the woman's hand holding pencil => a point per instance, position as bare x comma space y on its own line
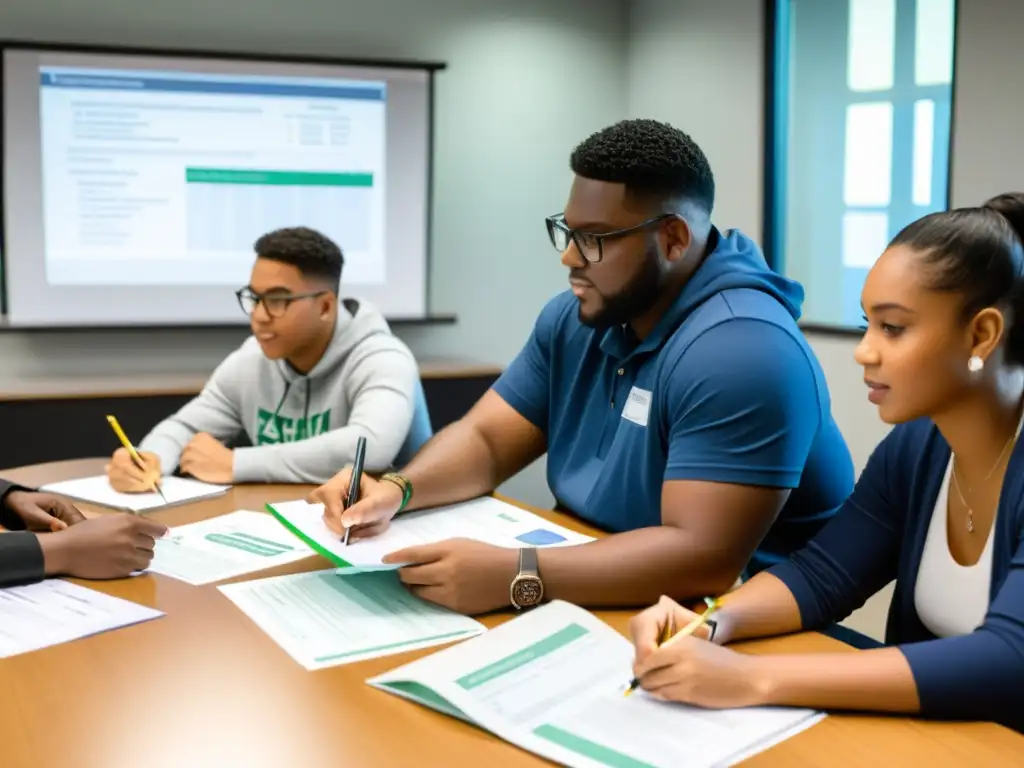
675, 661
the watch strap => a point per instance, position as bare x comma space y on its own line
528, 562
712, 626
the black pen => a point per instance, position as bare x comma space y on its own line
356, 480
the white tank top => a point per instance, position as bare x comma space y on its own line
952, 599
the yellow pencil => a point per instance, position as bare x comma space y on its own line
140, 463
667, 638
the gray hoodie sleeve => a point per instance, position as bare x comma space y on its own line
380, 388
216, 410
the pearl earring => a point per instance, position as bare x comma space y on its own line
975, 364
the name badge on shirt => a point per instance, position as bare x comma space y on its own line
638, 406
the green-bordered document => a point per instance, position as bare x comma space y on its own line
552, 682
486, 519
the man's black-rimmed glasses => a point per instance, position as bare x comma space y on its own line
591, 244
275, 304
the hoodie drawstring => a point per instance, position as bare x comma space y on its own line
280, 403
305, 410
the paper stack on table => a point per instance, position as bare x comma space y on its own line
97, 490
485, 519
552, 681
322, 619
224, 547
54, 611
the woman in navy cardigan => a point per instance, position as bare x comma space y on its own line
939, 508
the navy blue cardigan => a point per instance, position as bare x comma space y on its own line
878, 535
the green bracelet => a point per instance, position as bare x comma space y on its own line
403, 483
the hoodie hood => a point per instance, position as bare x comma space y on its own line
279, 404
365, 385
734, 263
737, 262
357, 324
357, 321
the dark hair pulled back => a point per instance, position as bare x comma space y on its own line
979, 253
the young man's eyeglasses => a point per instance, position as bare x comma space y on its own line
590, 244
275, 304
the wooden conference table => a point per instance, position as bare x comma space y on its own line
204, 687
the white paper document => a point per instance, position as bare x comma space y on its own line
486, 519
54, 611
224, 547
552, 682
97, 490
322, 619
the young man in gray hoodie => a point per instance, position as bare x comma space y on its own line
317, 374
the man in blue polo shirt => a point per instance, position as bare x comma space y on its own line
680, 406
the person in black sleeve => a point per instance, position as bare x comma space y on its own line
48, 536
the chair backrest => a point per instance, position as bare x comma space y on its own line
420, 430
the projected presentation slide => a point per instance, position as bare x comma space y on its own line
136, 185
156, 177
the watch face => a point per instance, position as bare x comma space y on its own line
527, 591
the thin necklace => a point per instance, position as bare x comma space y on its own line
956, 483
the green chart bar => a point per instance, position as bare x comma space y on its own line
277, 178
247, 544
521, 658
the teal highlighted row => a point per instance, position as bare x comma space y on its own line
277, 178
529, 654
251, 544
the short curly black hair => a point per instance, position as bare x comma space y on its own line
312, 253
651, 159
